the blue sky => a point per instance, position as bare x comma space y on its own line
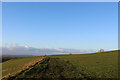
61, 25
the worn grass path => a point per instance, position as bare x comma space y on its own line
16, 65
48, 69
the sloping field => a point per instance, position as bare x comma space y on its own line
14, 65
95, 65
48, 69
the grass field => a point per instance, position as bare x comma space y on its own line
94, 65
14, 65
50, 68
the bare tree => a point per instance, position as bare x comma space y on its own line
70, 53
101, 50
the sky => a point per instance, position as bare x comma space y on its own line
60, 0
82, 25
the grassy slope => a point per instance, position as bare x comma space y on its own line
49, 68
14, 65
96, 65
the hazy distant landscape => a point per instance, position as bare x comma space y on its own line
21, 50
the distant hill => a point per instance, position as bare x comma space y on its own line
8, 57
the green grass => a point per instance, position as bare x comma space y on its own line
96, 65
49, 68
14, 65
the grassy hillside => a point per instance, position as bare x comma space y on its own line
14, 65
96, 65
50, 68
